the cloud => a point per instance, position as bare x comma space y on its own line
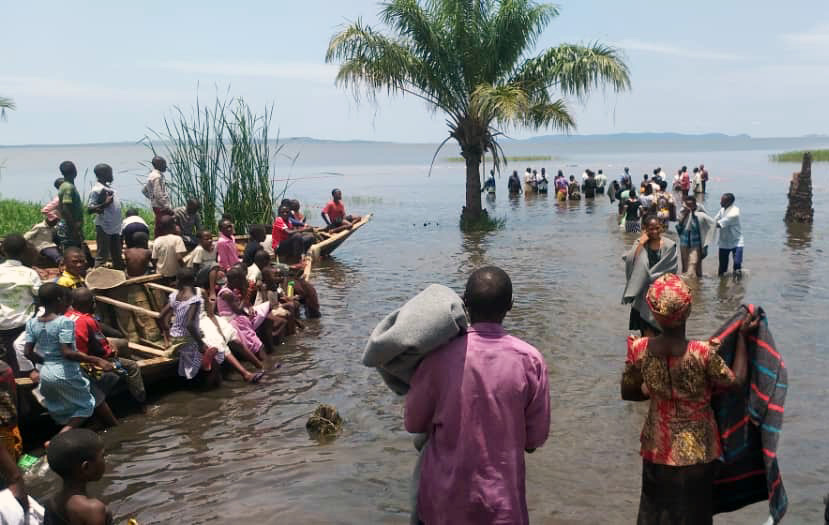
812, 41
665, 49
305, 71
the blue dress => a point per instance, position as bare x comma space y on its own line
65, 390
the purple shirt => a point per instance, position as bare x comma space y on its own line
226, 252
483, 398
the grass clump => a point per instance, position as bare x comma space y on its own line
818, 155
484, 223
222, 156
19, 216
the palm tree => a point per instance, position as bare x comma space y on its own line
5, 103
470, 59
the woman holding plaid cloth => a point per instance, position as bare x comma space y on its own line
680, 439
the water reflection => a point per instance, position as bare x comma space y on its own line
798, 235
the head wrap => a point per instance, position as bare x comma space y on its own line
670, 300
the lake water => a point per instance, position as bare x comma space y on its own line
241, 451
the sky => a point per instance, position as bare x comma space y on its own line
95, 71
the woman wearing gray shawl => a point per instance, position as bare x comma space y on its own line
650, 257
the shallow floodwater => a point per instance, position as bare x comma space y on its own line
243, 452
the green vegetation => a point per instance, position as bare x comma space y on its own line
527, 158
19, 216
221, 156
818, 155
482, 223
472, 61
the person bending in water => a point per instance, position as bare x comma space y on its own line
77, 456
334, 214
484, 401
680, 438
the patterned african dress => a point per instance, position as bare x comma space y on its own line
66, 391
680, 439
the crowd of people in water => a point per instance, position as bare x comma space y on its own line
226, 307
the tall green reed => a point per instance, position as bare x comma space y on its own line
222, 156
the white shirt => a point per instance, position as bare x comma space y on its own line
129, 220
528, 177
731, 234
200, 256
110, 218
156, 190
254, 273
165, 249
18, 288
41, 236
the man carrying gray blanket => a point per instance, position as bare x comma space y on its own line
483, 399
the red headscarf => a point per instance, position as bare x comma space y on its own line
670, 300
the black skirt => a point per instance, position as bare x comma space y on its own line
676, 495
637, 323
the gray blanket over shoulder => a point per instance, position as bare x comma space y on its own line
639, 276
426, 322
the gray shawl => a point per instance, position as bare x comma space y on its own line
639, 276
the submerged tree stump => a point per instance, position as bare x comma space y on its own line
800, 194
325, 422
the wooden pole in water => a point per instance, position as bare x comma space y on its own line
800, 194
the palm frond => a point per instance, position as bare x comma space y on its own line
575, 69
513, 32
6, 104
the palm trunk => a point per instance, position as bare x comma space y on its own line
472, 210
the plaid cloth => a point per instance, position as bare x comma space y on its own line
750, 422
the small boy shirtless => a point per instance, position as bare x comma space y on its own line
138, 255
77, 456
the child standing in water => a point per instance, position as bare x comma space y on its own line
185, 306
66, 392
77, 456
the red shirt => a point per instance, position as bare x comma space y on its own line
85, 327
280, 232
335, 211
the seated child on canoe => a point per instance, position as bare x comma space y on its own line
334, 214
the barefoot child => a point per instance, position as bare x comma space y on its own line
77, 456
66, 392
231, 304
185, 306
218, 332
